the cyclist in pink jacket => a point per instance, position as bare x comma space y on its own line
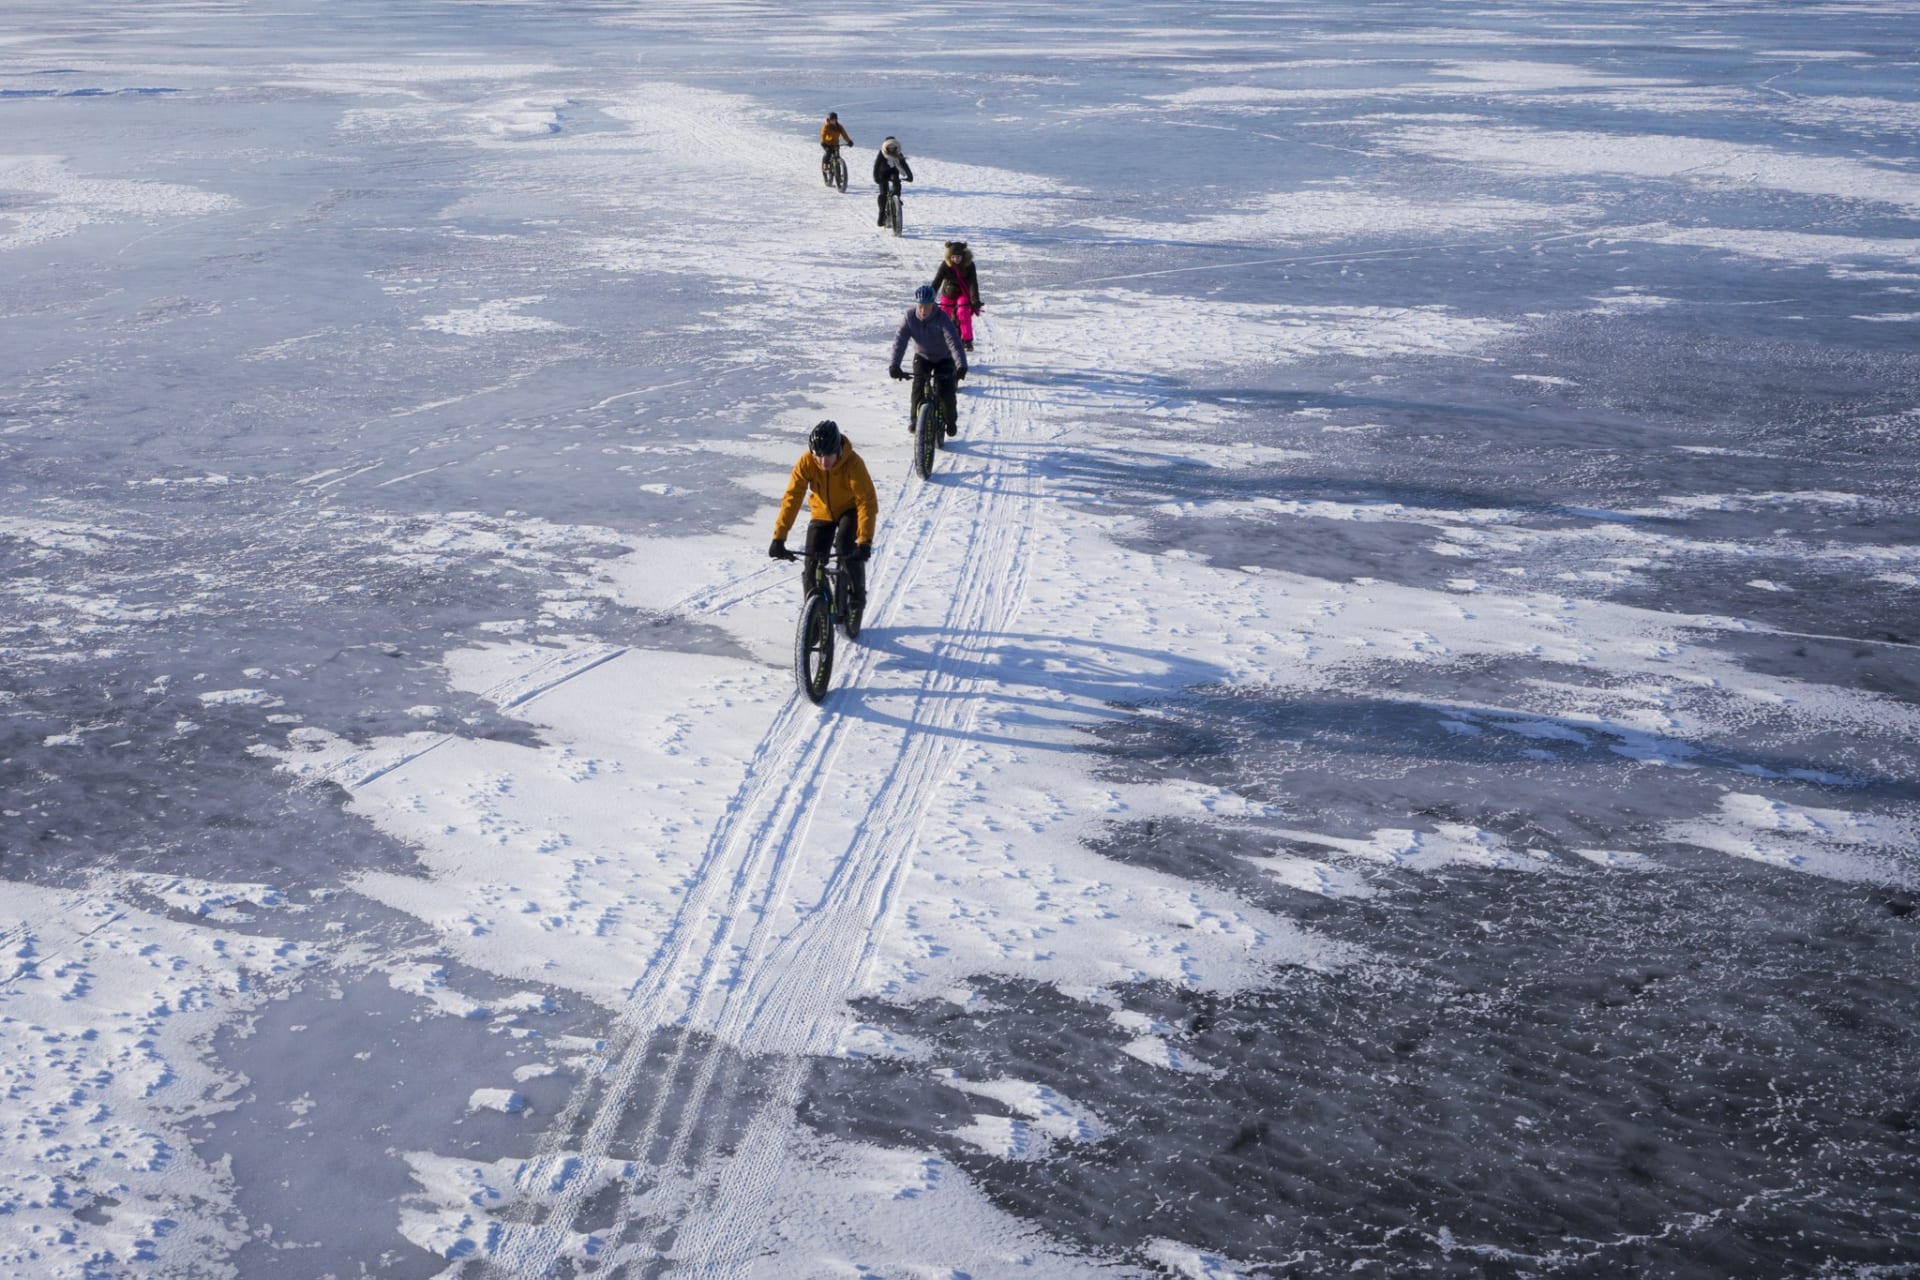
958, 285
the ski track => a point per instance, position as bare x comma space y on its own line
726, 974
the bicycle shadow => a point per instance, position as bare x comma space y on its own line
1071, 695
1060, 686
1101, 472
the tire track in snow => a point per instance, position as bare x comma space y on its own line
834, 946
727, 976
798, 961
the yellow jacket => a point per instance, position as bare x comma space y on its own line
831, 494
833, 130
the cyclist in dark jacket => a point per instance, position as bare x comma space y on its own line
889, 167
937, 350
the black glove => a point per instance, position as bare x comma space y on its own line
777, 550
959, 375
977, 308
863, 552
897, 373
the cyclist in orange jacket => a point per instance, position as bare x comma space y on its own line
832, 134
841, 502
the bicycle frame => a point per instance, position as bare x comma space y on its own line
940, 390
896, 208
831, 576
833, 167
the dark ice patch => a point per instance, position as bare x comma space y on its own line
1694, 1074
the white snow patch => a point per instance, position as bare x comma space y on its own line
1180, 336
522, 117
1832, 843
1311, 875
1043, 1118
1448, 844
1196, 1264
68, 202
1157, 1051
1340, 212
452, 1215
1438, 79
498, 316
241, 698
1705, 161
1800, 247
1627, 299
506, 1101
212, 898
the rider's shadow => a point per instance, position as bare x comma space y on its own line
1090, 683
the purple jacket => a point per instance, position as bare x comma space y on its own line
936, 338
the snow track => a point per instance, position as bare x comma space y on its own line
793, 891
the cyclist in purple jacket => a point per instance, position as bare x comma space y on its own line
937, 350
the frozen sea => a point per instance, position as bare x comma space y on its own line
1387, 746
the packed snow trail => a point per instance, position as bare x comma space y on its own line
794, 890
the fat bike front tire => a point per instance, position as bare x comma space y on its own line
896, 217
840, 173
813, 648
926, 431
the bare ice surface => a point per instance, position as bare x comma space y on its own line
1387, 744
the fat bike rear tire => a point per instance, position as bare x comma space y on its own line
843, 605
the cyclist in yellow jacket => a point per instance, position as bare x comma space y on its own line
841, 502
832, 134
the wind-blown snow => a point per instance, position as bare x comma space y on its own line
1694, 160
66, 201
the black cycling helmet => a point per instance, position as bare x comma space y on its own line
833, 115
825, 440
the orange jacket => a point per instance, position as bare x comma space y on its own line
833, 493
832, 130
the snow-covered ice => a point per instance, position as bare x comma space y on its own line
1387, 743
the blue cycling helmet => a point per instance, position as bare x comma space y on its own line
923, 295
825, 439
